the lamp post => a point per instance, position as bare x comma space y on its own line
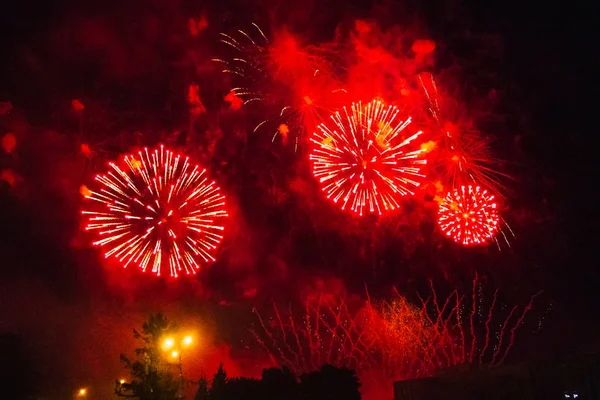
176, 346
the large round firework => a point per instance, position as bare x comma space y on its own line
366, 159
469, 215
156, 211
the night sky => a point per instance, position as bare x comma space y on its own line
130, 64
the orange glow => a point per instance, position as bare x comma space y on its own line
82, 392
135, 163
85, 192
187, 341
283, 129
174, 353
428, 146
307, 100
122, 381
327, 141
381, 140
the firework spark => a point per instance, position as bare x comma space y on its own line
156, 210
292, 82
365, 158
396, 339
329, 333
464, 155
469, 215
312, 99
248, 64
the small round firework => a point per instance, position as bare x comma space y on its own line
366, 157
156, 210
469, 215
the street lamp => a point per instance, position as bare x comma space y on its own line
176, 346
82, 392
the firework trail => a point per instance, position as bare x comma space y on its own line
396, 338
366, 158
158, 211
327, 334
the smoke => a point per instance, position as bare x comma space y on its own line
115, 82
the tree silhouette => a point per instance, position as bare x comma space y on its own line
219, 382
279, 384
243, 389
17, 374
203, 392
152, 379
330, 383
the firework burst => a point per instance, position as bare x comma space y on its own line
264, 70
312, 99
366, 159
469, 215
463, 158
292, 82
464, 155
156, 211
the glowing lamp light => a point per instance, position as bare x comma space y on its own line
168, 343
82, 392
174, 353
187, 341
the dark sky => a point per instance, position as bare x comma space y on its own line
120, 58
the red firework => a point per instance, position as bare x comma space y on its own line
264, 70
156, 210
394, 340
366, 158
462, 154
469, 215
328, 333
292, 82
